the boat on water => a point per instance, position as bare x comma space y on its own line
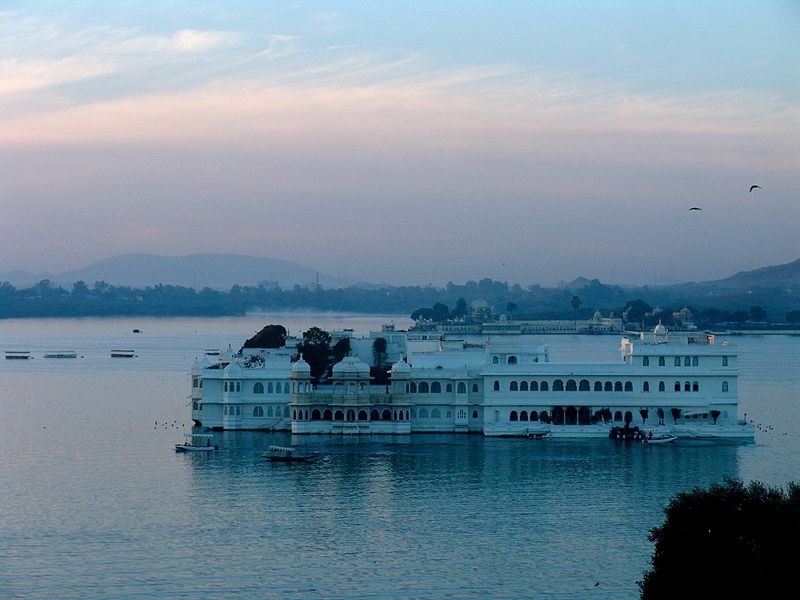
284, 454
123, 353
197, 442
61, 354
212, 352
664, 437
18, 354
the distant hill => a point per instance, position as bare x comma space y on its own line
777, 276
218, 271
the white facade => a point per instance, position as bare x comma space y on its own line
685, 383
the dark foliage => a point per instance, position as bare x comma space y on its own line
271, 336
727, 541
316, 351
379, 352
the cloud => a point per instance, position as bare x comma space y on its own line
192, 40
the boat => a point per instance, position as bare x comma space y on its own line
197, 442
212, 352
137, 331
18, 354
61, 354
123, 353
284, 454
659, 438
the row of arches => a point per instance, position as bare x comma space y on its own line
259, 412
570, 385
278, 388
350, 415
424, 387
688, 361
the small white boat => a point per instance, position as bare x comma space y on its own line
123, 353
61, 354
212, 352
18, 354
659, 438
197, 442
283, 454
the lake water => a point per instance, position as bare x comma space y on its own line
94, 502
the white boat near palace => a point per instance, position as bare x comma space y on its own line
18, 354
197, 442
503, 386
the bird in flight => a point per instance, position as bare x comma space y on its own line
695, 208
752, 187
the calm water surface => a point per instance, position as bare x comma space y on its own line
95, 503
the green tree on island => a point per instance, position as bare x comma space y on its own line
727, 541
316, 351
575, 303
379, 352
271, 336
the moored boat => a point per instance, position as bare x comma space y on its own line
663, 437
18, 354
284, 454
197, 442
123, 353
61, 354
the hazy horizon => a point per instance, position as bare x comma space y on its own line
405, 143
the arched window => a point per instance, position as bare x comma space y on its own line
724, 361
258, 388
277, 388
326, 414
512, 360
435, 414
677, 361
598, 386
423, 387
523, 386
338, 416
724, 386
387, 414
572, 386
413, 387
544, 417
224, 386
270, 389
534, 386
362, 415
661, 386
462, 388
523, 415
423, 413
449, 388
374, 415
677, 386
513, 416
687, 387
238, 389
495, 360
269, 411
695, 361
258, 411
617, 386
608, 386
687, 361
294, 415
661, 361
496, 386
628, 386
534, 416
695, 387
513, 387
315, 415
436, 388
474, 414
628, 416
618, 416
584, 385
474, 388
645, 361
543, 387
558, 385
646, 386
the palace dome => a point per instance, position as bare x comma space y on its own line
301, 367
401, 366
351, 366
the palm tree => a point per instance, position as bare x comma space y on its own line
676, 414
644, 412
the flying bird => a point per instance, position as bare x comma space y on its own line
753, 187
695, 208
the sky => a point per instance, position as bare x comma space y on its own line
405, 142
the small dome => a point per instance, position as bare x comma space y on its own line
351, 366
233, 370
401, 366
660, 329
597, 316
301, 367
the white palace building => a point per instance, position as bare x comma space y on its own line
684, 383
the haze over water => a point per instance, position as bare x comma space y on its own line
95, 503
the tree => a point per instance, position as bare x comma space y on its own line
676, 414
715, 415
757, 314
271, 336
511, 308
634, 311
727, 541
576, 303
379, 351
440, 312
644, 413
422, 314
460, 311
340, 349
316, 351
80, 289
793, 316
